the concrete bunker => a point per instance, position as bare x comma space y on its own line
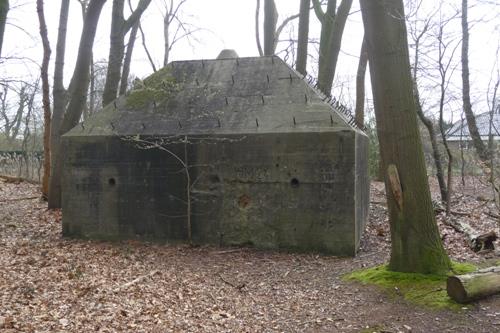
231, 151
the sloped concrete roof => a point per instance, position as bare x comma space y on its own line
241, 95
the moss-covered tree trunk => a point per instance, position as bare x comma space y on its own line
416, 245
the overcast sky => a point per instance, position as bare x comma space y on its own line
225, 24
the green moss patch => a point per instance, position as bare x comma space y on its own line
422, 289
158, 88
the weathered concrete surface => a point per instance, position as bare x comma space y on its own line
270, 164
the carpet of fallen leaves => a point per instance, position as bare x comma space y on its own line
51, 284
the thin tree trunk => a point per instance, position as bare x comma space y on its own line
78, 96
166, 36
462, 157
128, 59
332, 29
270, 22
45, 98
4, 9
119, 28
359, 114
479, 145
426, 121
143, 38
335, 43
92, 91
257, 29
59, 101
443, 189
303, 38
416, 244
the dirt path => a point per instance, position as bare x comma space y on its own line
49, 284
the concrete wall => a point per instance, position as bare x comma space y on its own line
297, 191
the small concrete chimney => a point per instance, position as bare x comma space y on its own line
227, 54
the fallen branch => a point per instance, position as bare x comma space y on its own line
238, 287
473, 286
490, 214
20, 199
442, 210
17, 180
228, 251
137, 280
383, 203
477, 242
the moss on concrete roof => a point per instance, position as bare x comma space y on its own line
242, 95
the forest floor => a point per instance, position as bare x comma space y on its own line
51, 284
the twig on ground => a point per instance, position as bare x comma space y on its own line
139, 279
239, 287
20, 199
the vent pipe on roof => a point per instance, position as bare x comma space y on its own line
227, 54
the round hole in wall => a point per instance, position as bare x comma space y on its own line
294, 182
214, 178
111, 181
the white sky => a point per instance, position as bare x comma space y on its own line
226, 24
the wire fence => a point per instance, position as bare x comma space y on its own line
27, 165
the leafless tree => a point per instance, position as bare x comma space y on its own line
72, 107
418, 30
359, 113
416, 244
479, 145
332, 21
303, 38
46, 97
119, 28
272, 30
4, 9
12, 122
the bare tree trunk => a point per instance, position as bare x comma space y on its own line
257, 29
4, 9
426, 121
435, 149
143, 38
270, 22
481, 149
128, 59
359, 114
332, 29
45, 98
92, 92
119, 28
462, 157
303, 38
59, 100
78, 95
416, 244
166, 33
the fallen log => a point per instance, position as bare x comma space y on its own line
17, 180
469, 287
477, 242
